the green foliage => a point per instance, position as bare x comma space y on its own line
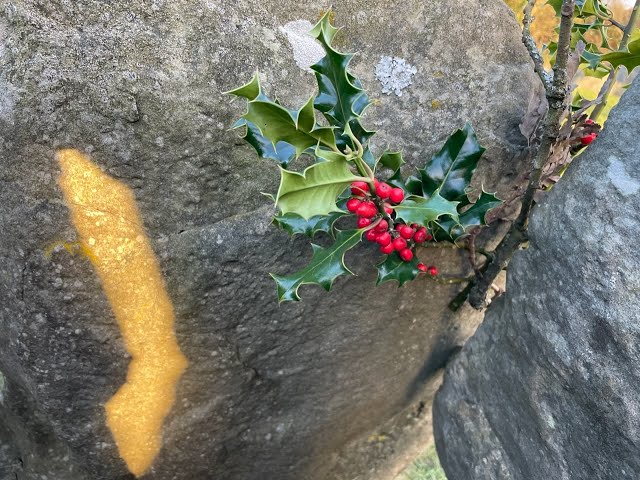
629, 58
423, 210
450, 230
294, 224
394, 268
314, 191
598, 58
426, 467
313, 200
326, 265
391, 160
450, 170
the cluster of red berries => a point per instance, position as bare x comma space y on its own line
391, 236
587, 139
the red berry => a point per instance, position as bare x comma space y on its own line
371, 235
399, 243
359, 188
432, 270
388, 209
384, 239
586, 140
366, 209
382, 226
422, 267
363, 222
383, 190
429, 237
406, 255
353, 204
405, 231
588, 121
396, 195
421, 235
386, 249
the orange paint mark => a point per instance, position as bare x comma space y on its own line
105, 215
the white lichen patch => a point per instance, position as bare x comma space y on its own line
306, 50
394, 74
624, 183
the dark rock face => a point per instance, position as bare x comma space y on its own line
271, 392
548, 387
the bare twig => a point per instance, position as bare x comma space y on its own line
606, 87
616, 23
556, 93
529, 42
471, 249
612, 20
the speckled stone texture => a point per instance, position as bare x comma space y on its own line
272, 392
549, 386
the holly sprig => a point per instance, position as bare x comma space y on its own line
346, 180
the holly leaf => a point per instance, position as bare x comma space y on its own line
326, 265
423, 211
630, 59
450, 170
341, 97
282, 152
314, 191
599, 72
391, 160
277, 124
450, 230
412, 186
268, 122
294, 224
394, 268
592, 59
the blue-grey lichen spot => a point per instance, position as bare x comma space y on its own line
620, 178
394, 74
306, 50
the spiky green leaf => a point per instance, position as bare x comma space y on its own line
341, 98
281, 151
450, 170
450, 230
278, 124
630, 59
394, 268
423, 211
591, 59
296, 225
391, 160
314, 191
326, 265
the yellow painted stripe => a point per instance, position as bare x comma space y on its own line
105, 214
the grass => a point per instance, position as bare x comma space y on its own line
426, 467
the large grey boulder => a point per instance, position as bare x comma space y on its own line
271, 392
548, 387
